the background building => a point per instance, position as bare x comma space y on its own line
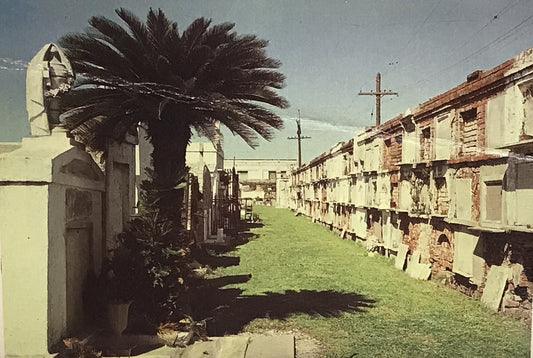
257, 177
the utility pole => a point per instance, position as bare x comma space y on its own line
299, 137
378, 95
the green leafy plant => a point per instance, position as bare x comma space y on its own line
160, 252
120, 275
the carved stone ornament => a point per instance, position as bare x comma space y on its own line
49, 75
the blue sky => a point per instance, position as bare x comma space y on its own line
330, 50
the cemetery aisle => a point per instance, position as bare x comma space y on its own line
306, 279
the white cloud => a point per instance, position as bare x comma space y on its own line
315, 125
12, 65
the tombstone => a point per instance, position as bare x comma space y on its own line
421, 271
494, 287
399, 263
207, 191
51, 227
120, 184
51, 238
417, 270
282, 192
413, 262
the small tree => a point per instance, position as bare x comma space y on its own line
170, 83
160, 253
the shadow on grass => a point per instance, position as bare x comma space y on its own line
218, 261
255, 225
242, 237
227, 311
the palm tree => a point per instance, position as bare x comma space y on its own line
170, 83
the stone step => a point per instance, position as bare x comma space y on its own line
220, 347
271, 347
241, 347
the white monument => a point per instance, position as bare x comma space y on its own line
49, 75
51, 227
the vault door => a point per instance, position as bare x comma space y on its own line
78, 259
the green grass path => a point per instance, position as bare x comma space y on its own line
399, 317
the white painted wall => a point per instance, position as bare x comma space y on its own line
33, 222
492, 173
443, 136
410, 146
200, 155
258, 169
524, 193
24, 254
120, 201
465, 260
463, 198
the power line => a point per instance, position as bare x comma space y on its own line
483, 48
422, 24
495, 17
430, 76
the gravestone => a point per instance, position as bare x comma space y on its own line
494, 287
421, 271
399, 263
413, 262
207, 192
417, 270
51, 227
51, 232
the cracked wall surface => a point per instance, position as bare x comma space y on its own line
451, 178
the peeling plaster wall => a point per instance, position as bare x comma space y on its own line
445, 178
443, 136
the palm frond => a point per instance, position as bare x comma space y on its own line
147, 72
219, 34
122, 40
137, 28
192, 36
161, 30
86, 49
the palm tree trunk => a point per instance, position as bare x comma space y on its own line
169, 142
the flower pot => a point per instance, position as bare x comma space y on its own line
117, 316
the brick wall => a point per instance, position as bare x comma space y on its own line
441, 248
432, 185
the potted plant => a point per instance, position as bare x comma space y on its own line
119, 280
